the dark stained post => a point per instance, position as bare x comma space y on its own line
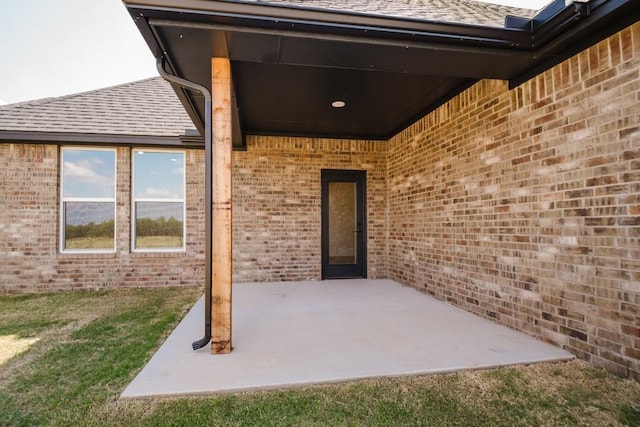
221, 206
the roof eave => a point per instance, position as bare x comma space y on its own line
600, 19
298, 18
58, 138
535, 45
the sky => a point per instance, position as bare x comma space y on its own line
91, 173
52, 48
58, 47
158, 177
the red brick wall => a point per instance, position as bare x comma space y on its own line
524, 206
29, 241
276, 205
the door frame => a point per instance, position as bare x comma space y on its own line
336, 271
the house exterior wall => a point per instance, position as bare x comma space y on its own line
520, 205
29, 229
276, 212
523, 205
276, 205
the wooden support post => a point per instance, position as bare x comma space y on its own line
221, 206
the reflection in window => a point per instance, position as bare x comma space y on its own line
343, 222
158, 200
88, 199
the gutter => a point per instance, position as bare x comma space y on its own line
76, 138
598, 20
207, 197
326, 21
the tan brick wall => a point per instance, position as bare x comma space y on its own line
520, 205
524, 206
276, 217
29, 257
276, 205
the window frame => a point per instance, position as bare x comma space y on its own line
63, 200
135, 199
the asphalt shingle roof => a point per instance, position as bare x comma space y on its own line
146, 107
458, 11
150, 107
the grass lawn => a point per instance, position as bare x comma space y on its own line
65, 358
89, 243
159, 242
144, 242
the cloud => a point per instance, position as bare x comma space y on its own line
83, 169
88, 177
159, 193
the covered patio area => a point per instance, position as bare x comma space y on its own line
294, 334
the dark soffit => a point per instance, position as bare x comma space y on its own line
289, 64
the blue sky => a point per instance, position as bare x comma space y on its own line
158, 175
89, 173
59, 47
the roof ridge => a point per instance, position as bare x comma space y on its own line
30, 103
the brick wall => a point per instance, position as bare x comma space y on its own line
29, 229
524, 206
276, 218
276, 205
520, 205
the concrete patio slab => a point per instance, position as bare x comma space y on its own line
300, 333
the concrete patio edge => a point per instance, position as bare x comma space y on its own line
296, 334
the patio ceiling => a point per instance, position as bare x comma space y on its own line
290, 63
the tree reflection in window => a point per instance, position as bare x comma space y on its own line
87, 208
158, 200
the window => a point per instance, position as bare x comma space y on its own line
158, 207
87, 217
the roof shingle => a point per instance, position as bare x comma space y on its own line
146, 107
459, 11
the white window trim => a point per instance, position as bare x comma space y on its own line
183, 200
63, 200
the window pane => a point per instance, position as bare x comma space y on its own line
159, 225
88, 173
88, 225
343, 224
158, 175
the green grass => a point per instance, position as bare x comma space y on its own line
144, 242
89, 243
77, 352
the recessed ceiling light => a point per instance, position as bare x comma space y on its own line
338, 104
